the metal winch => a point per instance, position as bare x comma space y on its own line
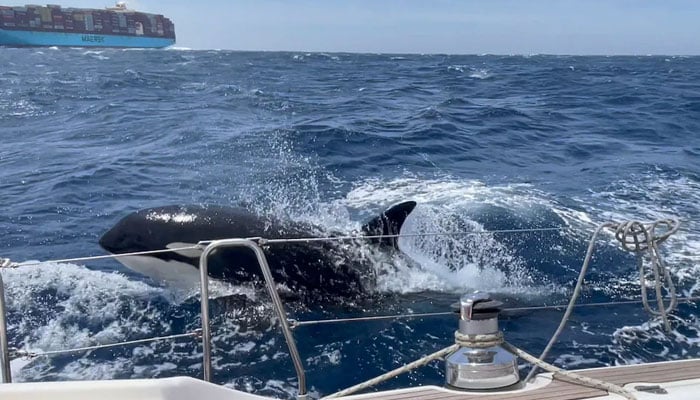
480, 362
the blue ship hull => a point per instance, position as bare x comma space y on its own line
38, 38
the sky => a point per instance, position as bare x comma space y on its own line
605, 27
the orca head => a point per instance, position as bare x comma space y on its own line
156, 229
127, 236
389, 223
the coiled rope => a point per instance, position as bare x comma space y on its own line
641, 238
479, 341
638, 238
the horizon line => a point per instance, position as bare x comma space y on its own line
391, 53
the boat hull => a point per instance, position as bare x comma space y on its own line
25, 38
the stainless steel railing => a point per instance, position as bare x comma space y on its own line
5, 372
209, 247
276, 302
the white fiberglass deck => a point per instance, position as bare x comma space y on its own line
680, 380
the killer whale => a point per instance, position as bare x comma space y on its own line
319, 267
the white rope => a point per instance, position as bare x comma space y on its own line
492, 340
398, 371
635, 237
486, 341
640, 238
478, 341
569, 376
572, 301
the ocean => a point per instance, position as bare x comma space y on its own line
482, 143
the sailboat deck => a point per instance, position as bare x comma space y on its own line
643, 374
680, 379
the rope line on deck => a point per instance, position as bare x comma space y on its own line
492, 340
486, 341
396, 372
569, 376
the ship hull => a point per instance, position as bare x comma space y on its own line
17, 38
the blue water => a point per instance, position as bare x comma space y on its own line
481, 142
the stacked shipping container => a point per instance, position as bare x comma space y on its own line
115, 21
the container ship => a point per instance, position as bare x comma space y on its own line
51, 25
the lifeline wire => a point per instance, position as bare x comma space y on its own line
634, 236
296, 324
264, 242
29, 354
7, 263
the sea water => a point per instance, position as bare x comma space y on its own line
482, 143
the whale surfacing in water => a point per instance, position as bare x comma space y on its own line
318, 267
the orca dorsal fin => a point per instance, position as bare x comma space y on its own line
389, 223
